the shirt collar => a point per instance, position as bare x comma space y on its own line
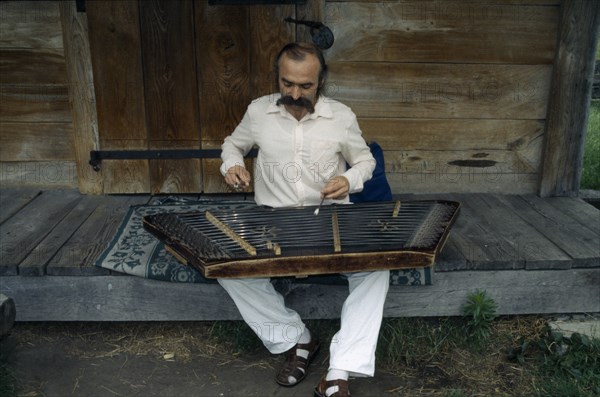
322, 108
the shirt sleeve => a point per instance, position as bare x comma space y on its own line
358, 155
237, 145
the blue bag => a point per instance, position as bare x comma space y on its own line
377, 188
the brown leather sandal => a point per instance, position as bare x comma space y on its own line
295, 365
323, 385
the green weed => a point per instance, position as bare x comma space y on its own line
437, 353
563, 366
7, 382
481, 312
590, 175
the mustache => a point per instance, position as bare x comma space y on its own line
300, 102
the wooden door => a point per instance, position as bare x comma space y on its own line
179, 75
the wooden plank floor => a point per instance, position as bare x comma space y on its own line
60, 233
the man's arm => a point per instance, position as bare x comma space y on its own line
358, 155
234, 148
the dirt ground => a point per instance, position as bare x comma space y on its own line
198, 359
90, 360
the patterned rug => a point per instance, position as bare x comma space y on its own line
136, 252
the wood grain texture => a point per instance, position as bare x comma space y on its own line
524, 242
171, 96
39, 174
78, 255
501, 156
450, 257
126, 176
20, 234
428, 90
115, 46
169, 70
34, 264
33, 84
268, 34
82, 96
442, 31
584, 213
569, 98
454, 134
35, 118
223, 67
114, 33
461, 155
487, 162
453, 179
176, 176
568, 234
32, 66
29, 141
30, 24
13, 200
32, 103
110, 298
478, 241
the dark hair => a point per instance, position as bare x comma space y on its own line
297, 52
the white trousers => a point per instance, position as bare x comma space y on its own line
352, 348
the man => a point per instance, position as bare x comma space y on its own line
305, 141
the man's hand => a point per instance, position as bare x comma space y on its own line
238, 177
336, 188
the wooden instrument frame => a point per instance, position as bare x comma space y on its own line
305, 265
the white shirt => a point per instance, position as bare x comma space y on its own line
297, 158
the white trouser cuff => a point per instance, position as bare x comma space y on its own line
263, 309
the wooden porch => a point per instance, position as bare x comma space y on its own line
531, 255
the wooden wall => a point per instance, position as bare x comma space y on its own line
36, 142
456, 91
177, 75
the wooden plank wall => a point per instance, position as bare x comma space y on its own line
570, 97
177, 75
116, 53
236, 47
454, 91
81, 95
163, 75
35, 119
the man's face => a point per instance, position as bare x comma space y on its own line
299, 79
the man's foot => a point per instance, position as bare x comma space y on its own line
332, 388
297, 362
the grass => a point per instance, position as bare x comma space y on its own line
564, 366
479, 354
590, 176
8, 386
519, 356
